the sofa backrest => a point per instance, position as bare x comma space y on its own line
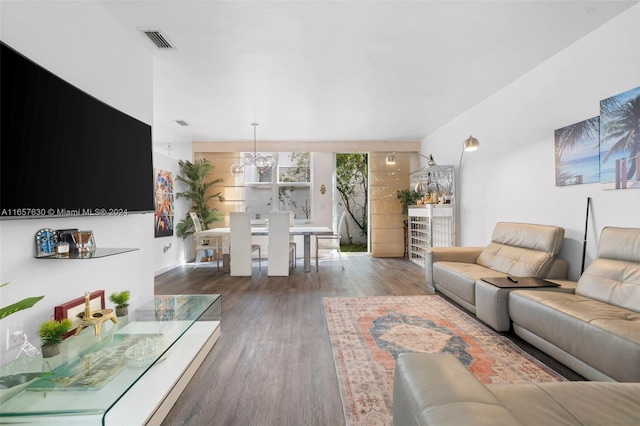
522, 249
614, 276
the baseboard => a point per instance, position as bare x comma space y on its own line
165, 268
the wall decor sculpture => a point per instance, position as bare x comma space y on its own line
163, 184
620, 141
577, 153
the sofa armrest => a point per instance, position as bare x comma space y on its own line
450, 254
559, 269
436, 389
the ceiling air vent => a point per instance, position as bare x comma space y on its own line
159, 39
182, 122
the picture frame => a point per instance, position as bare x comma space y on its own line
619, 158
72, 308
577, 153
164, 203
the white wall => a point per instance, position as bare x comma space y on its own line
177, 249
80, 42
512, 176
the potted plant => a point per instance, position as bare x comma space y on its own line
121, 300
51, 334
194, 175
408, 197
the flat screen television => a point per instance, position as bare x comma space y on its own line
65, 153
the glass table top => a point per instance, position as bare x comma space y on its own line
93, 372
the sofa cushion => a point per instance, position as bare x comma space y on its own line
460, 278
601, 335
522, 249
434, 389
571, 403
614, 276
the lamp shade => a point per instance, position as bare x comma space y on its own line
471, 144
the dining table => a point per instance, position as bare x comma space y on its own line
305, 231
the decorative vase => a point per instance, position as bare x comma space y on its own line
49, 351
122, 312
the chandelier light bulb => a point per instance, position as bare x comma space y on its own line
247, 158
237, 169
270, 161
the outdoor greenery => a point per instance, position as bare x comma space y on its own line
352, 180
194, 175
299, 173
353, 248
51, 331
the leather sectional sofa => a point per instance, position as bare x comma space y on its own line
518, 249
436, 389
596, 330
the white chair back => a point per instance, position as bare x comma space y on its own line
341, 223
240, 242
197, 226
279, 238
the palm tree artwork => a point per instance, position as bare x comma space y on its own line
620, 140
577, 153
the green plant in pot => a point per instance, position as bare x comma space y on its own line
51, 334
121, 300
408, 197
194, 176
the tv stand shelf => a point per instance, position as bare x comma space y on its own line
114, 378
93, 254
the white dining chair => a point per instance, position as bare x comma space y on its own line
280, 248
331, 242
203, 243
292, 243
241, 247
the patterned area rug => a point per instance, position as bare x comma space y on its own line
368, 333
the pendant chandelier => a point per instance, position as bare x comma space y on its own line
263, 164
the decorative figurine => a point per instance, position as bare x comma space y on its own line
46, 240
96, 318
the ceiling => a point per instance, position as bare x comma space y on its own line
342, 70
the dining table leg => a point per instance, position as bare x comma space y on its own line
307, 252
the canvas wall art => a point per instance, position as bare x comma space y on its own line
163, 186
620, 140
577, 153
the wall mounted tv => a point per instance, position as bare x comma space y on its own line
64, 152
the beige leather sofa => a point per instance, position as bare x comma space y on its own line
518, 249
436, 389
596, 331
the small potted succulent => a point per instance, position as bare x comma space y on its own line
51, 334
121, 300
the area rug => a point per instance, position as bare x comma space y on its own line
368, 333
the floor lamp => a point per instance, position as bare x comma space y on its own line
469, 144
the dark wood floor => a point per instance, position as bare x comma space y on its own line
273, 363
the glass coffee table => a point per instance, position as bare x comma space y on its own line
131, 373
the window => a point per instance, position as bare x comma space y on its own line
292, 187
